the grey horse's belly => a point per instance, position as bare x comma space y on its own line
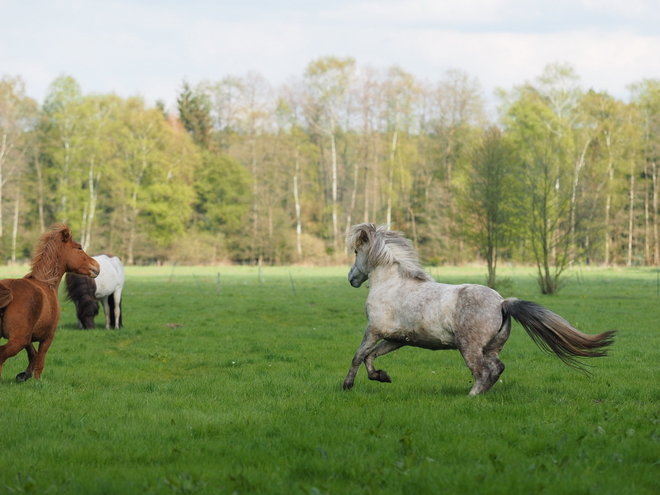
423, 339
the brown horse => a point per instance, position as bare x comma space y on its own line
29, 306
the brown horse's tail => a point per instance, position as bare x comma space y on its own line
555, 335
6, 298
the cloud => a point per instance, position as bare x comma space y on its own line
148, 48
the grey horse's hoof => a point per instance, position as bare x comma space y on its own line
384, 377
380, 376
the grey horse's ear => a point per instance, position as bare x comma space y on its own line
365, 238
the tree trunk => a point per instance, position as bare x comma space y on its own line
40, 192
390, 182
656, 247
335, 213
296, 199
608, 207
631, 218
14, 234
349, 216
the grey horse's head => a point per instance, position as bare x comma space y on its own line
359, 240
378, 246
358, 272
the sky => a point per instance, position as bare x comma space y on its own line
149, 47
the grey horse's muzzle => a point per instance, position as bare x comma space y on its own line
356, 277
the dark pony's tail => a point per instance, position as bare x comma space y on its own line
555, 335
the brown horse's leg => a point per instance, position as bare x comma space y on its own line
10, 349
41, 356
368, 342
382, 348
32, 357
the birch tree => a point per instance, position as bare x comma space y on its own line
327, 81
646, 95
65, 130
547, 203
18, 118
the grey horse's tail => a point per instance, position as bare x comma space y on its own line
555, 335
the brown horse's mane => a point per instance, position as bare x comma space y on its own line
45, 265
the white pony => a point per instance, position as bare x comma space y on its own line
405, 306
107, 288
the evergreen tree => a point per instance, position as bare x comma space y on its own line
195, 114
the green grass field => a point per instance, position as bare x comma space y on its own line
228, 380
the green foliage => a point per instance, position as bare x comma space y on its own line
543, 152
488, 195
195, 114
223, 189
229, 380
277, 175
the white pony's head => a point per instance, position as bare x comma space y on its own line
378, 246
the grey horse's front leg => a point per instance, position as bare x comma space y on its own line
368, 342
382, 348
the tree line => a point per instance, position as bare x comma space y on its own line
242, 171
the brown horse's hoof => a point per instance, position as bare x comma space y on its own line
21, 377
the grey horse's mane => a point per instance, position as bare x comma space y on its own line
386, 247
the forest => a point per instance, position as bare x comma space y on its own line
546, 173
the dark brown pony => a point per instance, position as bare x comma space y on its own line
80, 290
29, 306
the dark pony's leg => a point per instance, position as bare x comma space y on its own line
382, 348
32, 358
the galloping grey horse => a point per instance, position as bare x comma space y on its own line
406, 306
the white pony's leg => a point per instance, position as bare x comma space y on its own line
382, 348
106, 310
368, 343
117, 308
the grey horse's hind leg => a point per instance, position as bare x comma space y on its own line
492, 351
474, 359
383, 348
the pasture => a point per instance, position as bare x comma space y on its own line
228, 380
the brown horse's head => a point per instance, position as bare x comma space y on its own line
58, 253
74, 258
